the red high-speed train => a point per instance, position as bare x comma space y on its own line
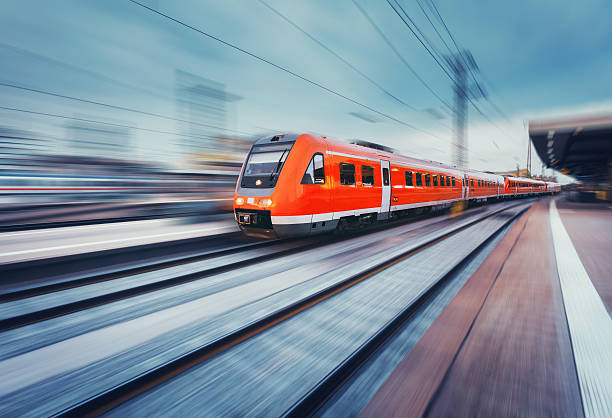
302, 184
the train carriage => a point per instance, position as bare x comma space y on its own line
293, 185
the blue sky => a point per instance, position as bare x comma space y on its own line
537, 59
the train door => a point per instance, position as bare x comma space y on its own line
466, 188
385, 202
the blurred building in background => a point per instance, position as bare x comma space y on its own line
96, 140
203, 105
18, 147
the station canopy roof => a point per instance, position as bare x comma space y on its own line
581, 148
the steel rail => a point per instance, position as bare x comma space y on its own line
110, 398
329, 385
105, 298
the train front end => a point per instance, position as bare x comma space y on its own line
268, 197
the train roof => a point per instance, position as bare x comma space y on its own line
376, 151
525, 180
484, 175
394, 157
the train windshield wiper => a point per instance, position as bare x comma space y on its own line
278, 164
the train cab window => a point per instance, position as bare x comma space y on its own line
347, 174
408, 175
448, 181
367, 175
385, 176
435, 180
419, 179
453, 182
428, 180
315, 173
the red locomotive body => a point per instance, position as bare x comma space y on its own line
292, 185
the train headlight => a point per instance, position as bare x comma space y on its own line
239, 201
265, 203
258, 182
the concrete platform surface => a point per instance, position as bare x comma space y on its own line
516, 340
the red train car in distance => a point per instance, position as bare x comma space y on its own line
516, 186
301, 184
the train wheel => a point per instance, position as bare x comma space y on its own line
341, 228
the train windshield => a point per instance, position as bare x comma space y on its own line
264, 164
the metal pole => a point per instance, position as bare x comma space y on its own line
460, 157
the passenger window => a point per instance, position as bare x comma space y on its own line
419, 180
319, 169
315, 173
435, 180
472, 183
427, 180
408, 175
347, 174
442, 181
448, 181
453, 182
367, 175
385, 176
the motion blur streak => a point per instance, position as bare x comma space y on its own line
305, 208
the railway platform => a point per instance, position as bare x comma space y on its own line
530, 332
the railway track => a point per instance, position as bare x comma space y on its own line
258, 253
315, 397
96, 213
206, 263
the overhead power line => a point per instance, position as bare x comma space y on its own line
101, 122
279, 67
347, 63
434, 26
400, 56
465, 62
438, 15
422, 35
462, 66
429, 51
116, 107
446, 71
